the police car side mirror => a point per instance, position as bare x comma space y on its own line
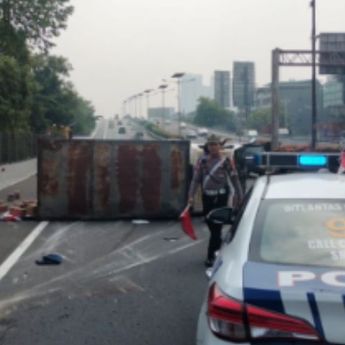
222, 215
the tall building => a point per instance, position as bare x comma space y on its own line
222, 88
333, 93
295, 103
192, 89
334, 106
244, 85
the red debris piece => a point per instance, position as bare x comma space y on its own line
8, 217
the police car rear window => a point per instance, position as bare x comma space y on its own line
303, 232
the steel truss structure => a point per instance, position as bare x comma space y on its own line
297, 58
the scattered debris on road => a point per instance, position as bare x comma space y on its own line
15, 210
50, 259
140, 221
171, 239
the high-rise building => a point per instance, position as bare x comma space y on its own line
222, 88
244, 85
295, 104
192, 89
334, 105
333, 93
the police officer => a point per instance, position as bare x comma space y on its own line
219, 180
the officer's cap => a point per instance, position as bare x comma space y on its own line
213, 139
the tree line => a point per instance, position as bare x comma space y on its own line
210, 114
35, 91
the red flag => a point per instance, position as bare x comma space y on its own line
186, 223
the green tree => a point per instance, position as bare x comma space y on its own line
13, 43
49, 99
207, 112
37, 21
16, 84
55, 101
261, 120
84, 117
210, 114
34, 89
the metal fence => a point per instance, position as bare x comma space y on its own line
87, 179
17, 146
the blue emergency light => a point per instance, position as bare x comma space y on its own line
293, 161
308, 160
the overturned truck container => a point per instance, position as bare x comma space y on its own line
88, 179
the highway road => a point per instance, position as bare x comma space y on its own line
233, 138
121, 282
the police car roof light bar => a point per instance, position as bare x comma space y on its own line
295, 160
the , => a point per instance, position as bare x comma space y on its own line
280, 275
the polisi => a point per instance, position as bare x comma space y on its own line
291, 278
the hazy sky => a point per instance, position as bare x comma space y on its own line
122, 47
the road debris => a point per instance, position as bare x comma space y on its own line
50, 259
171, 239
140, 221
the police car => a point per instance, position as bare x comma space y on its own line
279, 278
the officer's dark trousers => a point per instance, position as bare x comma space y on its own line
210, 203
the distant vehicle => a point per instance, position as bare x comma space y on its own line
283, 131
202, 132
167, 122
139, 135
183, 125
122, 130
191, 134
252, 133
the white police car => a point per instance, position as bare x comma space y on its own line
279, 278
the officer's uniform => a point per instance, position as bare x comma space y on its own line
219, 180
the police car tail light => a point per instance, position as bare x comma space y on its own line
267, 324
231, 319
226, 316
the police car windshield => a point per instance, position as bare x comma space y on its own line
303, 232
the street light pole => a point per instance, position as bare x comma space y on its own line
129, 106
163, 87
178, 77
124, 108
139, 104
135, 105
313, 102
148, 91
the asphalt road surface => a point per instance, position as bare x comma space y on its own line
122, 283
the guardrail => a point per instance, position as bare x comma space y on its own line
17, 146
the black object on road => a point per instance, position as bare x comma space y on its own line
50, 259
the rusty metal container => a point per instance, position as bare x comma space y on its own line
88, 179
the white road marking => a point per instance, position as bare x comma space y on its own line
152, 258
19, 251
